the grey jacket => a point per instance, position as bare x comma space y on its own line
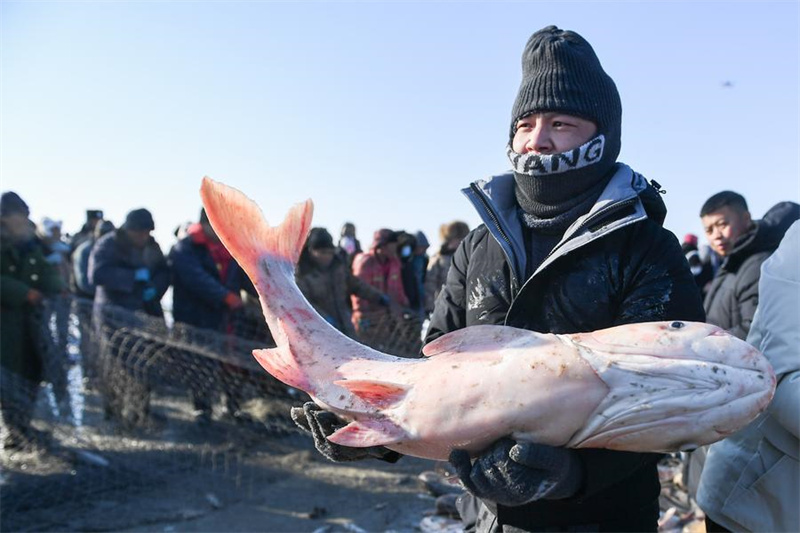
751, 480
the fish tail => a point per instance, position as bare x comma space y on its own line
242, 228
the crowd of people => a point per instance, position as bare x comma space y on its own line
374, 295
571, 241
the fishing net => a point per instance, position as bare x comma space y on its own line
126, 405
128, 409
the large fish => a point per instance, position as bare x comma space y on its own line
651, 387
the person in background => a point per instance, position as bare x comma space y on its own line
414, 272
207, 283
26, 280
87, 232
80, 260
743, 244
57, 361
572, 241
450, 235
751, 480
732, 297
48, 231
130, 275
701, 268
348, 242
380, 268
128, 268
326, 281
406, 245
84, 292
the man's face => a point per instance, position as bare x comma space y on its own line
139, 238
724, 226
16, 227
322, 257
551, 133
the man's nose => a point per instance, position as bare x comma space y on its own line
540, 141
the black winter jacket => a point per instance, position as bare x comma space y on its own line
112, 266
733, 296
615, 265
198, 291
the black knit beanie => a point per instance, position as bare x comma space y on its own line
319, 239
139, 220
11, 203
561, 73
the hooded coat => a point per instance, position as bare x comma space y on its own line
733, 296
615, 265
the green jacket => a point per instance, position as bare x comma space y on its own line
23, 268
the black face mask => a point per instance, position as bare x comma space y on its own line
558, 188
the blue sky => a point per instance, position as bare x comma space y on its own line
380, 112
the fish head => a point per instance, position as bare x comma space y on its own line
676, 339
674, 385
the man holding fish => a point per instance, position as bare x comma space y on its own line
572, 241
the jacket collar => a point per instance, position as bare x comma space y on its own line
495, 201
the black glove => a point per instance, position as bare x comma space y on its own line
320, 423
513, 474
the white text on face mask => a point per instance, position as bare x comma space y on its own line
535, 164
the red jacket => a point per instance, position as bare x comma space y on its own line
384, 276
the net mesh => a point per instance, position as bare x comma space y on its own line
127, 403
130, 408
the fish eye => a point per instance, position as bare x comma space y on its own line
677, 325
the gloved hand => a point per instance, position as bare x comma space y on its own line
142, 274
149, 293
511, 473
320, 423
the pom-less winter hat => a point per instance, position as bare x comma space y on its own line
11, 203
561, 73
139, 220
320, 239
382, 237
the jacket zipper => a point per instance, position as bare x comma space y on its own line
507, 248
600, 213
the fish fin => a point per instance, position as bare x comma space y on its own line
365, 433
242, 228
381, 394
282, 365
477, 338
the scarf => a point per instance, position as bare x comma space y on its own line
553, 190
